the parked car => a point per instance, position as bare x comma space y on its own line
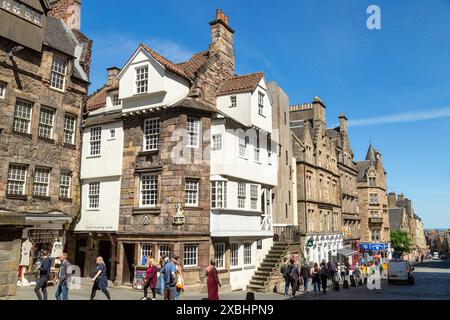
400, 270
443, 257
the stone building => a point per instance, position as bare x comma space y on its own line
372, 198
44, 76
319, 206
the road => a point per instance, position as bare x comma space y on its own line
432, 283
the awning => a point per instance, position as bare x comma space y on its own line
347, 252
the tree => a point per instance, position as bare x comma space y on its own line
401, 241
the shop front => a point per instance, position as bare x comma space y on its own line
380, 252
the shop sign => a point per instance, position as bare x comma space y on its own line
310, 243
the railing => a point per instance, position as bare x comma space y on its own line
289, 234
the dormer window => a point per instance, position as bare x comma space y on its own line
142, 80
233, 101
260, 103
115, 100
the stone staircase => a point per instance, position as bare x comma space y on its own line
268, 274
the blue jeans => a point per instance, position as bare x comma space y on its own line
63, 290
316, 286
305, 283
286, 287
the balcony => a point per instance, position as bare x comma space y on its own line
376, 220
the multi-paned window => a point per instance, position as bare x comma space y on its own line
191, 192
58, 76
115, 100
151, 134
17, 178
46, 118
218, 194
190, 258
94, 195
219, 255
142, 80
41, 181
146, 251
22, 117
95, 140
260, 103
375, 235
217, 141
65, 181
374, 198
112, 133
2, 90
69, 129
374, 214
247, 253
234, 254
269, 148
149, 190
163, 250
193, 131
241, 194
256, 155
372, 182
242, 146
233, 101
254, 196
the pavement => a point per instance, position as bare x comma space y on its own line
432, 283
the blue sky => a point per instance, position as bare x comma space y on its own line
393, 84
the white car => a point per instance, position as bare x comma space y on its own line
400, 271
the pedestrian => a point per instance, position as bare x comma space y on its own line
170, 277
151, 276
315, 278
180, 281
293, 274
63, 279
100, 279
343, 272
283, 271
305, 272
160, 285
44, 275
324, 274
421, 258
213, 282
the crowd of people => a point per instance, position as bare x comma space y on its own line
298, 275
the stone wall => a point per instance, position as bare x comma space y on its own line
9, 262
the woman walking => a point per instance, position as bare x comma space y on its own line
315, 278
151, 276
100, 279
160, 284
213, 281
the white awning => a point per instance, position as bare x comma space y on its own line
347, 252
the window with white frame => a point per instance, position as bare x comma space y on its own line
58, 75
191, 192
254, 196
94, 195
241, 194
247, 253
190, 258
242, 146
234, 254
219, 255
6, 4
41, 181
65, 181
149, 190
22, 117
146, 251
374, 198
218, 194
163, 250
233, 101
260, 103
193, 130
46, 118
217, 141
2, 90
269, 148
257, 148
69, 129
142, 80
112, 133
115, 100
151, 134
95, 141
17, 178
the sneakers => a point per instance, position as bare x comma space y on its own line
144, 298
153, 299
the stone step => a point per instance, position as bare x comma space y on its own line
263, 273
268, 269
255, 288
257, 282
259, 277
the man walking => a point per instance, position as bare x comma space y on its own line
324, 273
44, 275
305, 272
283, 271
170, 278
62, 291
293, 274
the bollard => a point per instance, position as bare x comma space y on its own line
345, 284
250, 296
352, 282
335, 285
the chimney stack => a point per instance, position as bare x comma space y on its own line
392, 200
319, 113
343, 122
400, 197
112, 73
222, 37
67, 10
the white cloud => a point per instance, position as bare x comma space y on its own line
402, 117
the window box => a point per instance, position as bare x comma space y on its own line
23, 197
47, 140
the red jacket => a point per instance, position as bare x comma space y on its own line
151, 275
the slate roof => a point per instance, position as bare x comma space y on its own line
239, 84
103, 118
57, 36
371, 153
395, 218
362, 167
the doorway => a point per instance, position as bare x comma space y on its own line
128, 263
105, 252
80, 254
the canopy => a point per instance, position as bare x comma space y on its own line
347, 252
